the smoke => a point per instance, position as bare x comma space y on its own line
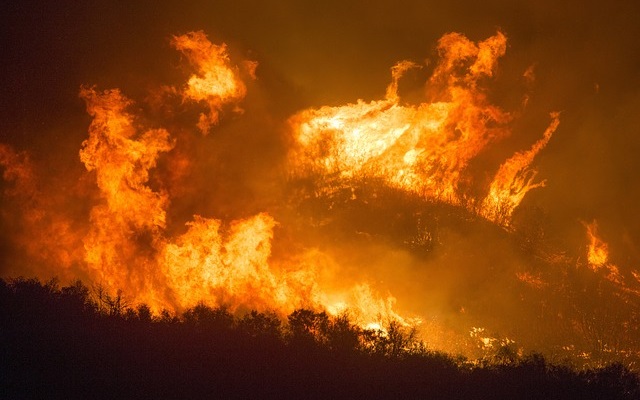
361, 238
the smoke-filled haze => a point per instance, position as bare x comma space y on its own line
491, 185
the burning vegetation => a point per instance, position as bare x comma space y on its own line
426, 148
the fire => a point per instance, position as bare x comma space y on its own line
514, 179
127, 242
121, 158
425, 148
535, 281
598, 260
136, 232
234, 268
598, 252
216, 82
127, 245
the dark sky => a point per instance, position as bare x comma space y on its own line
586, 57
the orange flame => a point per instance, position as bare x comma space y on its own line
598, 252
222, 264
121, 158
423, 149
598, 260
216, 82
514, 179
233, 268
534, 281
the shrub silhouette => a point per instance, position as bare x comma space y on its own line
307, 327
342, 336
261, 325
63, 343
206, 318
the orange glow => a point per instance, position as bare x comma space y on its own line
535, 281
121, 158
127, 246
17, 169
597, 252
363, 160
216, 82
136, 242
426, 148
45, 234
598, 260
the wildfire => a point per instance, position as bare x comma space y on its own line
223, 264
598, 252
514, 179
598, 259
216, 82
532, 280
426, 148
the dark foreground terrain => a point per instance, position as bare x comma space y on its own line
72, 342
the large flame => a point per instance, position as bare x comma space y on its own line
128, 243
424, 148
121, 158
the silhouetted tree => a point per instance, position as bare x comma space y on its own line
141, 313
168, 318
76, 297
261, 325
393, 341
207, 318
112, 305
342, 336
57, 343
614, 380
308, 327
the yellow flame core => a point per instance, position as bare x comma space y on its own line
424, 148
598, 252
599, 262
